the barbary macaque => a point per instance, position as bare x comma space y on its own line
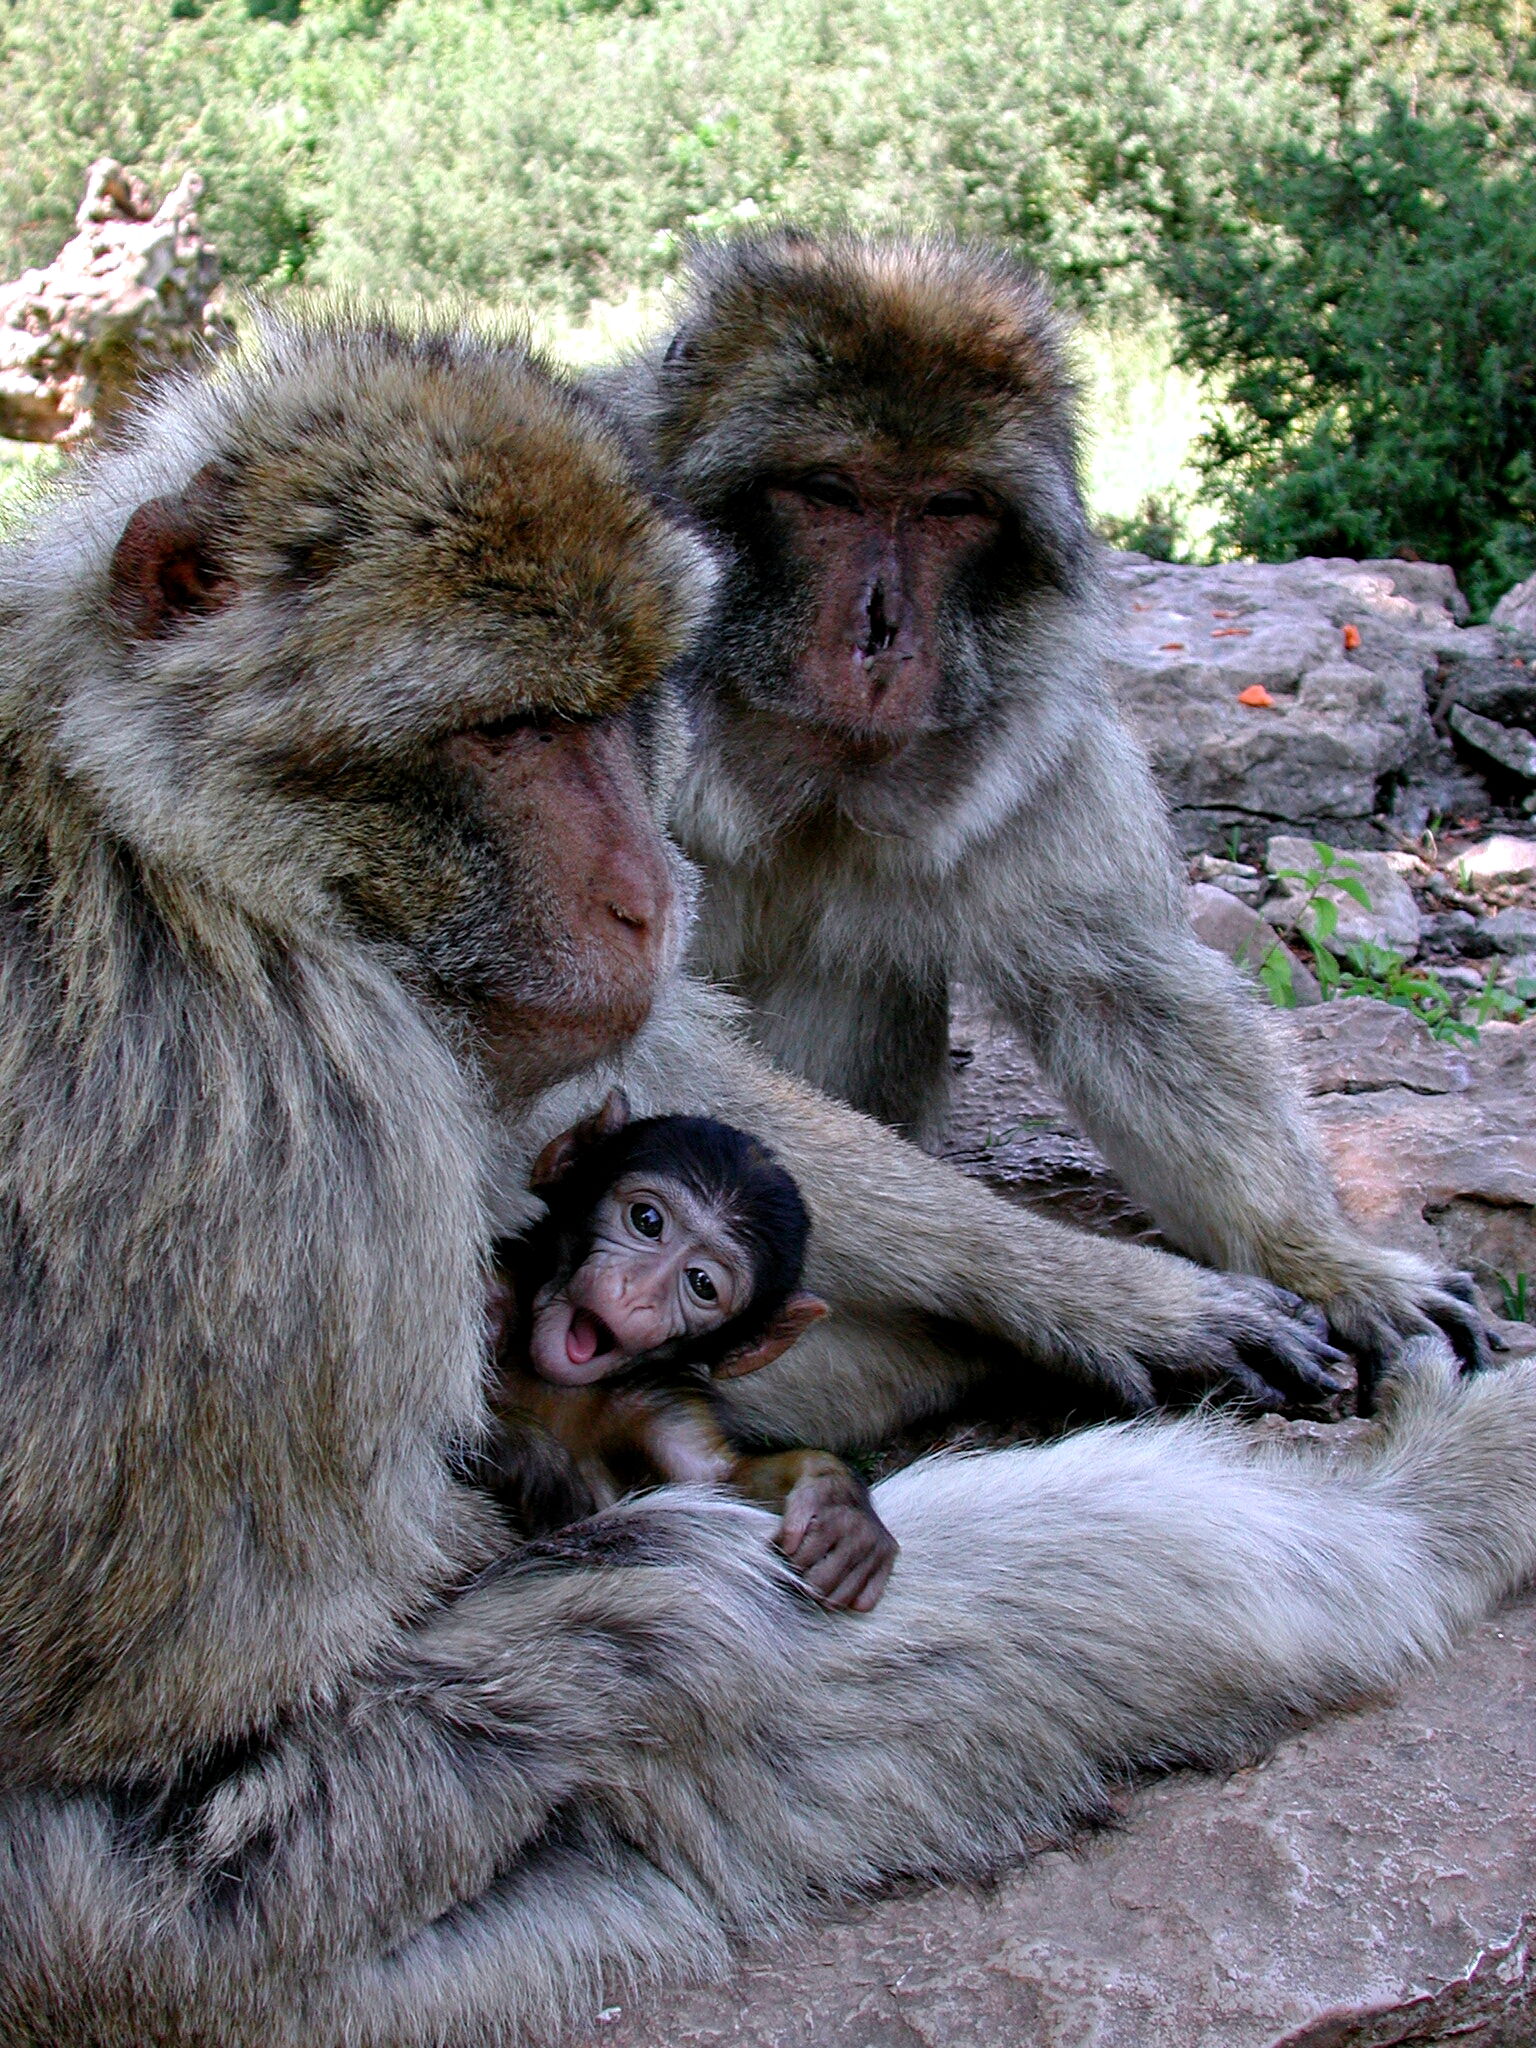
332, 886
670, 1257
908, 769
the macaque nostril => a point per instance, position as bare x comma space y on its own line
880, 629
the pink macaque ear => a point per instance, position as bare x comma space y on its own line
562, 1153
165, 568
787, 1327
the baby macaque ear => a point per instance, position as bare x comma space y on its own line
787, 1327
562, 1153
166, 568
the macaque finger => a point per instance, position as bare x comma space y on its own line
875, 1585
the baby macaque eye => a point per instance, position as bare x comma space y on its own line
646, 1218
703, 1288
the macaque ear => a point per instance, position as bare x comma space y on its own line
166, 569
562, 1153
787, 1327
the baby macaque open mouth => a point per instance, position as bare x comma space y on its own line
588, 1337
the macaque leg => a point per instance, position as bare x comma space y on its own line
830, 1532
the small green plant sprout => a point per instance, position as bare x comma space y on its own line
1318, 918
1495, 1005
1235, 843
1518, 1302
1378, 972
1277, 973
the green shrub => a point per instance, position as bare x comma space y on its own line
1369, 307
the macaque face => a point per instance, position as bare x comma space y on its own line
878, 557
663, 1265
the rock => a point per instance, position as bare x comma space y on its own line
1355, 1046
1514, 616
1346, 720
1392, 920
1460, 977
1431, 1147
136, 289
1521, 968
1232, 928
1512, 931
1448, 930
1499, 856
1234, 876
1370, 1884
1511, 747
1481, 673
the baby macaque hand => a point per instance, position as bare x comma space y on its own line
835, 1540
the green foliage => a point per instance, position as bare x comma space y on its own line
1369, 308
1355, 272
1519, 1303
1369, 970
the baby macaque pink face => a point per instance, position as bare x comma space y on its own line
663, 1265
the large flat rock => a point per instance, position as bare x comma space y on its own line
1346, 657
1374, 1882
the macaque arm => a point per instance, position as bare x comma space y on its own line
899, 1238
1170, 1060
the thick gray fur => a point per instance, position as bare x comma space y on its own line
290, 1755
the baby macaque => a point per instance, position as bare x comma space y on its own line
670, 1259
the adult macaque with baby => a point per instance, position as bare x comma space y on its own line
670, 1258
332, 887
908, 768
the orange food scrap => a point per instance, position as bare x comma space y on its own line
1351, 639
1256, 697
1232, 632
1172, 647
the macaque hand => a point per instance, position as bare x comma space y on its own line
835, 1540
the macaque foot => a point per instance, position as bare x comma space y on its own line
835, 1540
1261, 1345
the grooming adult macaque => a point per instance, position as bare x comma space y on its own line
328, 838
907, 766
670, 1256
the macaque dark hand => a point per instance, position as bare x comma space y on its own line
1264, 1345
835, 1540
1376, 1323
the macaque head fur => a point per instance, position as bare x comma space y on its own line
371, 649
676, 1240
883, 434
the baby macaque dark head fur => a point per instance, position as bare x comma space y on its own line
672, 1242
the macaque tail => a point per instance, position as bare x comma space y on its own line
1135, 1597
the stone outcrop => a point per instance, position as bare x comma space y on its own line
1320, 693
134, 290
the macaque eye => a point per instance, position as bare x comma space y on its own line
701, 1286
831, 491
647, 1219
958, 505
